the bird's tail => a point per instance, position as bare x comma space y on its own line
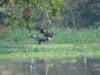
32, 36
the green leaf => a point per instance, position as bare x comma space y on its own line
33, 15
15, 22
23, 22
29, 5
6, 21
22, 8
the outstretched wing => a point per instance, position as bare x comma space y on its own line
37, 38
38, 27
35, 26
48, 34
44, 31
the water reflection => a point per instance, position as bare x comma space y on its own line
64, 66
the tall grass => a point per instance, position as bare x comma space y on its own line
61, 36
72, 36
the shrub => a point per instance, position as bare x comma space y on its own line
6, 21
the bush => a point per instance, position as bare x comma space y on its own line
30, 26
6, 21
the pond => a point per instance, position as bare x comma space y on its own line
84, 65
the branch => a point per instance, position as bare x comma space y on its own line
44, 22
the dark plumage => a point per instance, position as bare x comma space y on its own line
35, 26
44, 30
46, 33
39, 39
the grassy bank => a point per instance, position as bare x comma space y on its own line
19, 41
25, 55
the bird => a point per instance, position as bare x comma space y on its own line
39, 39
46, 32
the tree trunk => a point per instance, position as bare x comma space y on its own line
73, 19
48, 16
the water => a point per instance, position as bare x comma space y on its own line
52, 66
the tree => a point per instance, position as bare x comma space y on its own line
71, 11
50, 6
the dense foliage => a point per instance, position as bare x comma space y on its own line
72, 13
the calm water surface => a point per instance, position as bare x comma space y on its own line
51, 66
